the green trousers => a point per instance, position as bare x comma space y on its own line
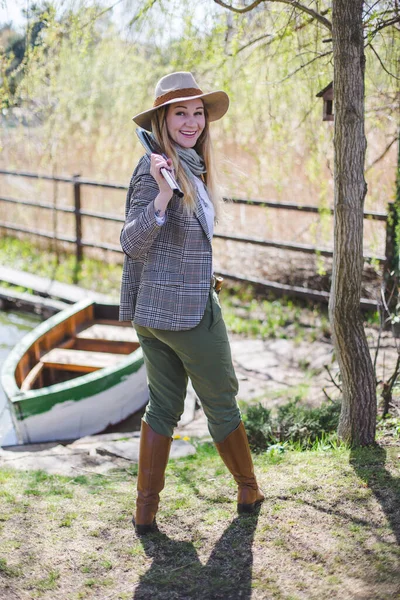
204, 355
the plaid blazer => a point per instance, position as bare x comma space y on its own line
167, 269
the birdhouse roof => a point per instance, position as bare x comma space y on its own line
326, 89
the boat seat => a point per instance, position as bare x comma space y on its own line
111, 333
78, 360
32, 377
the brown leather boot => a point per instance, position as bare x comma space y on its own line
153, 458
235, 453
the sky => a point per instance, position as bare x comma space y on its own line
11, 10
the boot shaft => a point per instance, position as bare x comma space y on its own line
153, 459
235, 453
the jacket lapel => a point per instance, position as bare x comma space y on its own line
202, 219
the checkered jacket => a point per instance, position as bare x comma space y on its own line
167, 269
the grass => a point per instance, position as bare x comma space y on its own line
254, 314
102, 276
329, 528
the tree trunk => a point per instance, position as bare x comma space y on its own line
358, 417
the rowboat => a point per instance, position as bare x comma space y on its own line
75, 374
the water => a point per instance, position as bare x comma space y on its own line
13, 327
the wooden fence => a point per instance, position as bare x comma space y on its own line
78, 183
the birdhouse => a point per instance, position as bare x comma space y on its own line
327, 96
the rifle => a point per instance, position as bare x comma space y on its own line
151, 147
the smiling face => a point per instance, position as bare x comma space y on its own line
185, 122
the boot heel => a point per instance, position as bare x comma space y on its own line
145, 529
246, 509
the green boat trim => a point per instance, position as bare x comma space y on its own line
34, 402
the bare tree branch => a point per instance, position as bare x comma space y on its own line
386, 150
387, 392
293, 3
101, 13
257, 39
385, 24
381, 327
370, 8
142, 11
302, 67
276, 36
382, 65
386, 304
306, 115
327, 396
245, 9
327, 369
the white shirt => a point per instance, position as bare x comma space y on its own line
207, 205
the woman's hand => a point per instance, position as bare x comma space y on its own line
162, 199
159, 162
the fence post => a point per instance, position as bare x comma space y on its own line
78, 226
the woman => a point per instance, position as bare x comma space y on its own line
167, 291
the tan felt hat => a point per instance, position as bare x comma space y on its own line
178, 87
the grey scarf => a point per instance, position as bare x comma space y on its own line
192, 162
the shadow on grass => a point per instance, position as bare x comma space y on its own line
369, 464
176, 571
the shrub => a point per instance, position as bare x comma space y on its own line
259, 427
293, 423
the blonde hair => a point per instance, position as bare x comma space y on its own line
203, 147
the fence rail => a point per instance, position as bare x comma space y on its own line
80, 213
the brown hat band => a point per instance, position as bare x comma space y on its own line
176, 94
